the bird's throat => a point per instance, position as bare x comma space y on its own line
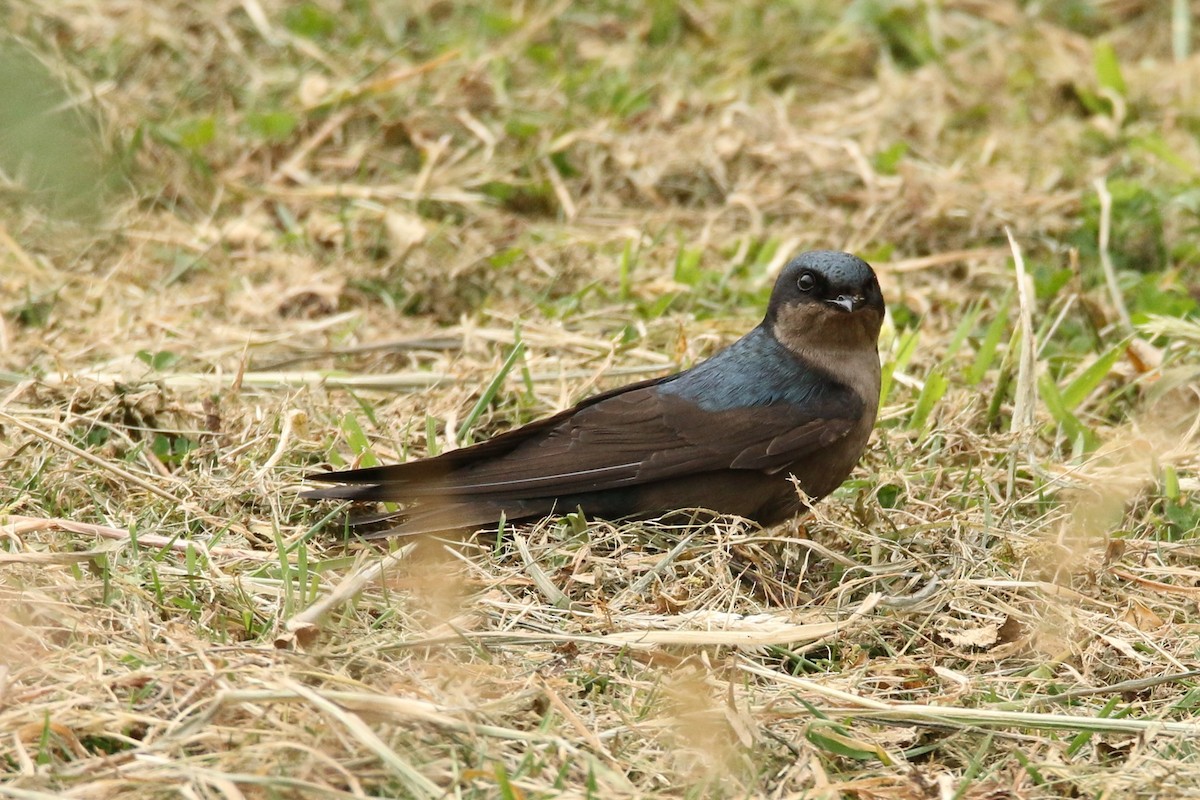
844, 346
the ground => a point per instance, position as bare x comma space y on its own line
248, 239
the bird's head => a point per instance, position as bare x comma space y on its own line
826, 299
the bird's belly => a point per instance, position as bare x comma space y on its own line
818, 476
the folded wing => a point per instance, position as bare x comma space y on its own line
633, 436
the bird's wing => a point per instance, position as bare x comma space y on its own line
633, 436
436, 468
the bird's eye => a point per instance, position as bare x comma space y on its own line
806, 281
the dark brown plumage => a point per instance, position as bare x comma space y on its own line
795, 397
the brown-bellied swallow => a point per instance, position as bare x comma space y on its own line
792, 403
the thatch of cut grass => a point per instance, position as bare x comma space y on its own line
247, 239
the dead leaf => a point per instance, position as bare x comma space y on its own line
253, 232
33, 733
1011, 631
1144, 356
1142, 617
404, 231
314, 88
976, 638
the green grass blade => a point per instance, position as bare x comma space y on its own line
526, 375
625, 272
1086, 382
933, 391
973, 767
985, 355
1108, 68
962, 331
358, 441
433, 446
1072, 427
489, 393
904, 352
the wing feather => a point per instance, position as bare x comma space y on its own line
634, 436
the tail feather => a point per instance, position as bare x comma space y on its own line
361, 520
369, 492
399, 474
433, 515
441, 518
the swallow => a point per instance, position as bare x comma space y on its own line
788, 406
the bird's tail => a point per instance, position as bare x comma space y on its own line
434, 515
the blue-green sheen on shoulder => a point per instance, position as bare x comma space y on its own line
754, 371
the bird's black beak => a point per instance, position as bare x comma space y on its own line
848, 302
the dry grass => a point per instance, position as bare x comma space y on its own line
291, 234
